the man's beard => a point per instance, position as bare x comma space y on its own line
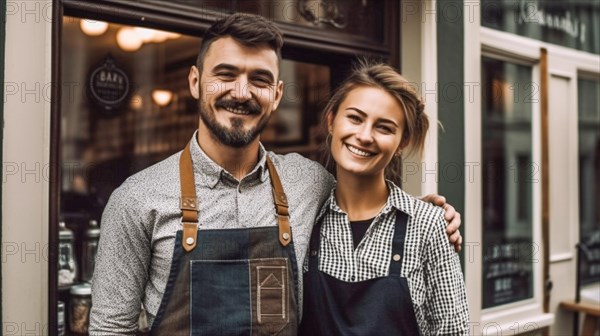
235, 136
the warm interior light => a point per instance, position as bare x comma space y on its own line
171, 35
136, 102
160, 36
146, 34
128, 39
162, 97
93, 28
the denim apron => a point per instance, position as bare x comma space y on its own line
380, 306
229, 281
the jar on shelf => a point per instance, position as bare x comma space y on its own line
61, 319
89, 249
67, 266
79, 308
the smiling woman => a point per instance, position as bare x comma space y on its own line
377, 253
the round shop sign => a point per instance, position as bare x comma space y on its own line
109, 86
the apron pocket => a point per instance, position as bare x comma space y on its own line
271, 296
220, 299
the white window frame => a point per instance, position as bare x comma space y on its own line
480, 41
527, 314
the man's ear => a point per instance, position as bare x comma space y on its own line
278, 95
194, 82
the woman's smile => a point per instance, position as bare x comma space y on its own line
359, 152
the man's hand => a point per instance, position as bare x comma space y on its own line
451, 216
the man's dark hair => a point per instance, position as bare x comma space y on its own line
248, 29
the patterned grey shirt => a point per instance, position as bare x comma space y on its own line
142, 216
431, 266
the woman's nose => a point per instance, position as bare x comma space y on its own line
364, 134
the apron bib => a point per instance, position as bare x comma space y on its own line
380, 306
230, 281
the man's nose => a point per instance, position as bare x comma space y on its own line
241, 89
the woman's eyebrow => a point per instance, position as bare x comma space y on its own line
364, 114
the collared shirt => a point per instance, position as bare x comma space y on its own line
431, 266
142, 216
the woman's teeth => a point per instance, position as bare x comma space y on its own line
358, 151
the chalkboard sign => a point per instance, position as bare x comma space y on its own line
108, 86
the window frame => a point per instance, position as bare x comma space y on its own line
526, 306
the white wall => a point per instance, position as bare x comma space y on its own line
25, 167
419, 66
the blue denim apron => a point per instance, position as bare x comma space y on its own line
229, 282
380, 306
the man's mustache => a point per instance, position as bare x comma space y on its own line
248, 105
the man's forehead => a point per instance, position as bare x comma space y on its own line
228, 50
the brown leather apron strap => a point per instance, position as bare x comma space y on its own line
188, 202
281, 205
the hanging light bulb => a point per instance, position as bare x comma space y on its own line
93, 28
128, 39
162, 97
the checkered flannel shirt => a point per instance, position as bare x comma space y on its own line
431, 266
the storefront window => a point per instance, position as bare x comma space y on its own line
126, 102
508, 175
589, 181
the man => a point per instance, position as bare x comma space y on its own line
211, 239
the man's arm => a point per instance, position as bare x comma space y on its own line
451, 216
444, 285
120, 272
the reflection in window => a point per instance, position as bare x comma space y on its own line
589, 180
508, 174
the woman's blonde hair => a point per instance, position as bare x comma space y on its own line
383, 76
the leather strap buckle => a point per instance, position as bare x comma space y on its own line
190, 236
285, 232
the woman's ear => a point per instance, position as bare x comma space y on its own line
402, 146
330, 118
403, 143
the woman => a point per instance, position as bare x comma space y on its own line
379, 262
